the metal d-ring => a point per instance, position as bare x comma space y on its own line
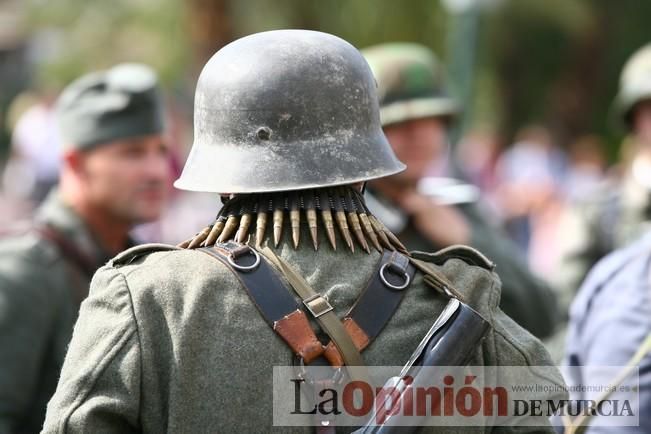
390, 285
300, 368
245, 267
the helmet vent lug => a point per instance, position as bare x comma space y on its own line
263, 133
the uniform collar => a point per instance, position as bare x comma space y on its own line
59, 215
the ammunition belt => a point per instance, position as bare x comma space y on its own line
341, 208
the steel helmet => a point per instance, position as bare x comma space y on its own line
286, 110
410, 82
635, 83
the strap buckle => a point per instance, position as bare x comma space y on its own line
317, 305
302, 371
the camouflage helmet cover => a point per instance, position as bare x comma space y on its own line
286, 110
634, 83
410, 82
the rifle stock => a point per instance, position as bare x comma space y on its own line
450, 341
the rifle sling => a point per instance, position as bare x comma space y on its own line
323, 312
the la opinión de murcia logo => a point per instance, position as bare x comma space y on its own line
405, 399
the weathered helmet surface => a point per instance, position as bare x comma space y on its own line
286, 110
410, 82
634, 83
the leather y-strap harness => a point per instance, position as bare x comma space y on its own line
363, 322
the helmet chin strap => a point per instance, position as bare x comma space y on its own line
225, 197
244, 216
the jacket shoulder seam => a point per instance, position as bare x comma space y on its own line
116, 347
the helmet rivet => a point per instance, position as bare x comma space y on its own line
263, 133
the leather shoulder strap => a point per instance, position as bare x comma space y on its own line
379, 301
68, 249
271, 297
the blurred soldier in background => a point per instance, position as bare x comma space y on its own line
610, 325
416, 113
114, 175
619, 211
35, 161
610, 318
170, 339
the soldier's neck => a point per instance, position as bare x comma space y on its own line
111, 233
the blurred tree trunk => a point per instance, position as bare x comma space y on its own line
211, 28
573, 96
557, 63
546, 59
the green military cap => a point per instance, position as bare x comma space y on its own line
104, 106
634, 83
410, 82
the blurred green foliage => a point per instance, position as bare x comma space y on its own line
362, 22
94, 34
557, 62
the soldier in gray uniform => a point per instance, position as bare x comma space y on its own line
114, 176
610, 317
184, 339
416, 113
619, 212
